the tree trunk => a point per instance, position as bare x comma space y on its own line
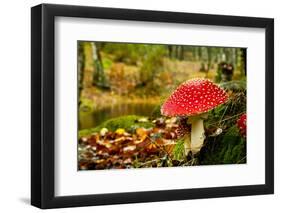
99, 78
81, 66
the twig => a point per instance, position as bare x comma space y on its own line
241, 159
160, 147
227, 118
223, 115
151, 161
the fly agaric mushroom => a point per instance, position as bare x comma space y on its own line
242, 125
193, 99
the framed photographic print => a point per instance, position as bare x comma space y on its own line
140, 106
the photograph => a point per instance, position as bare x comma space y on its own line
160, 105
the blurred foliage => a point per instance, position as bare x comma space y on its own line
107, 63
143, 70
153, 62
127, 53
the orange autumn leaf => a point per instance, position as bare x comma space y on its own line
142, 134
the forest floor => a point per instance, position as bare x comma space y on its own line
138, 142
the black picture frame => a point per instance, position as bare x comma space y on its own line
43, 102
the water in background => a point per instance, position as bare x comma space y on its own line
95, 118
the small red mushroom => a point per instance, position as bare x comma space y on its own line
194, 98
242, 125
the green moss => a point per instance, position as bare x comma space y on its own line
129, 123
228, 148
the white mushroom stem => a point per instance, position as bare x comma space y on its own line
187, 144
197, 133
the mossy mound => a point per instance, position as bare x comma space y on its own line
129, 123
230, 148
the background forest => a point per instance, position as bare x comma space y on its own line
122, 87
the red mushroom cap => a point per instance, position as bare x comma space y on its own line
194, 97
242, 125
